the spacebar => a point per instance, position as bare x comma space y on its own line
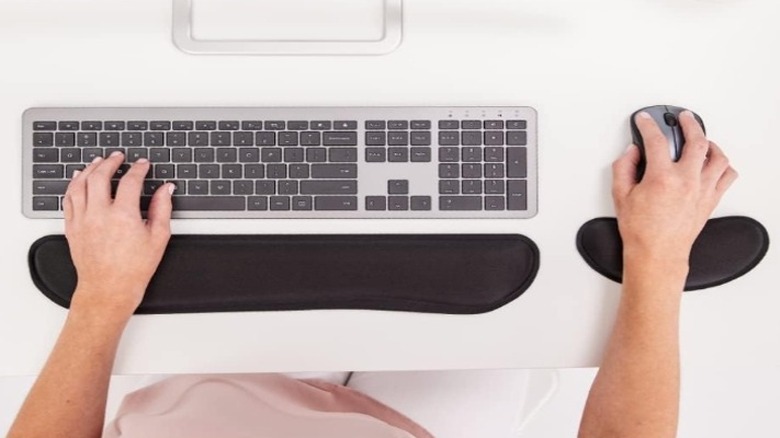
209, 203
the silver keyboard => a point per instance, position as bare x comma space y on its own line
319, 162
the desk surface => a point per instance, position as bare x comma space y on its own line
585, 66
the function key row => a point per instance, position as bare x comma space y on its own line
200, 125
487, 124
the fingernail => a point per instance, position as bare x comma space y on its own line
115, 154
687, 113
171, 188
629, 149
644, 115
97, 160
142, 161
75, 174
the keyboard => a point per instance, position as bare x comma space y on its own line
318, 162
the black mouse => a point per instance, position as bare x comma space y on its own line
667, 118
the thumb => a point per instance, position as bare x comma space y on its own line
159, 213
624, 173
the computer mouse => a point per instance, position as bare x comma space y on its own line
667, 118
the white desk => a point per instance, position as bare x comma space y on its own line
584, 65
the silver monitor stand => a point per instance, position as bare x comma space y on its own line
184, 39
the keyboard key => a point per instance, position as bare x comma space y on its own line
494, 138
42, 139
517, 138
243, 187
516, 166
449, 138
257, 203
184, 155
46, 156
197, 138
327, 171
48, 171
92, 126
254, 171
311, 138
376, 138
280, 203
176, 139
449, 124
90, 154
345, 124
400, 138
232, 171
494, 155
421, 124
494, 170
206, 125
276, 171
209, 203
44, 126
299, 171
398, 187
471, 154
421, 138
162, 155
208, 171
494, 124
449, 187
70, 168
321, 125
460, 203
316, 155
471, 138
494, 203
397, 155
376, 155
243, 138
220, 187
494, 187
277, 125
164, 171
202, 155
66, 139
249, 155
471, 187
342, 155
516, 124
86, 139
265, 187
472, 170
471, 124
50, 187
252, 125
516, 192
449, 171
183, 125
293, 155
398, 124
198, 187
376, 203
328, 187
265, 139
160, 125
227, 155
376, 124
132, 139
137, 125
339, 139
229, 125
271, 155
421, 203
187, 171
121, 171
288, 138
151, 186
299, 125
69, 155
288, 187
335, 203
398, 203
69, 126
46, 203
449, 155
152, 139
302, 203
220, 138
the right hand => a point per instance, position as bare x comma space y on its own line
661, 216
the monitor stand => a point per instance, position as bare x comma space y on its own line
186, 39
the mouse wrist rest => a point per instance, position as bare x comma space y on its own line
455, 274
726, 249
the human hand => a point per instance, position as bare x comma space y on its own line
661, 216
114, 250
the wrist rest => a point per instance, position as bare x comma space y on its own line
726, 249
455, 274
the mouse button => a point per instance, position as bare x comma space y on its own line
670, 119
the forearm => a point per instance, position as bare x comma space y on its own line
69, 397
636, 392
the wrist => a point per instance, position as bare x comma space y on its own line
97, 304
655, 268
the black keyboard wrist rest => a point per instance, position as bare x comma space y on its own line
454, 274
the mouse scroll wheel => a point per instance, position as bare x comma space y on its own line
670, 119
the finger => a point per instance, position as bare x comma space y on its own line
728, 178
696, 143
77, 188
159, 213
128, 194
655, 142
99, 181
624, 173
716, 165
67, 207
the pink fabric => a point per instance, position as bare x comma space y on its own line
256, 406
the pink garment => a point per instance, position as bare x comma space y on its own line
256, 406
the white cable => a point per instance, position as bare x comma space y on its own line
546, 399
